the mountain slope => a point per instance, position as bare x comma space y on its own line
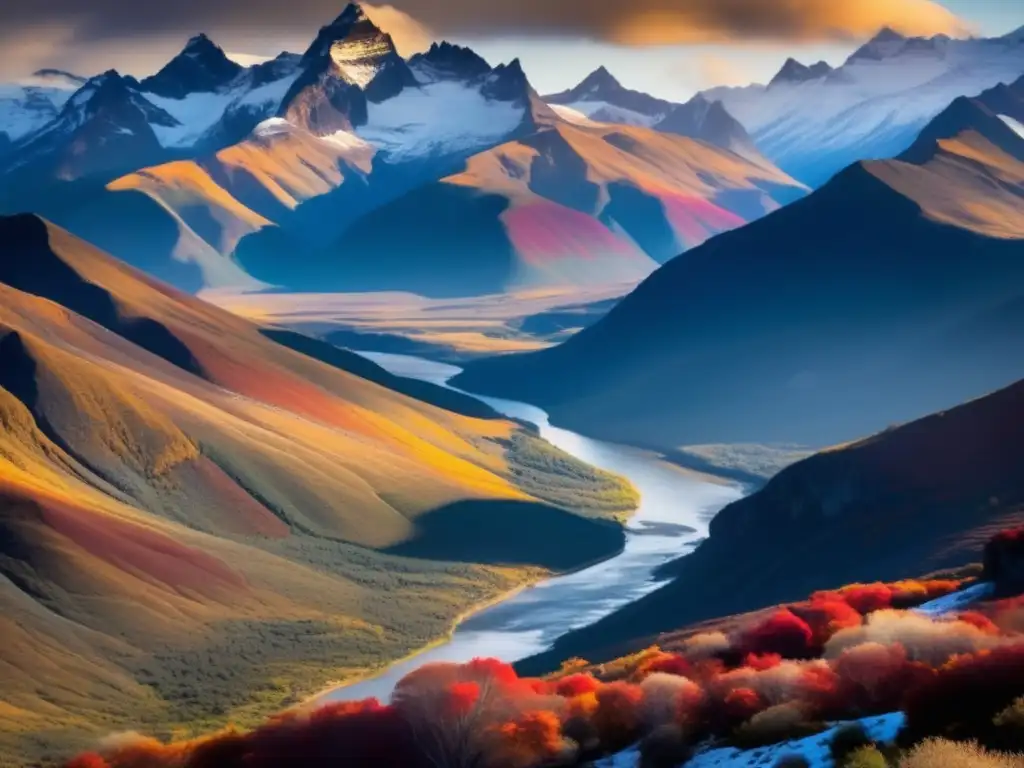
814, 121
194, 518
915, 499
568, 205
840, 314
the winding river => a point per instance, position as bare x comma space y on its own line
673, 516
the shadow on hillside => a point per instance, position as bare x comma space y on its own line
512, 533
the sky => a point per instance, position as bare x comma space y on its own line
670, 48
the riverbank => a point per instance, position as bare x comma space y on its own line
676, 506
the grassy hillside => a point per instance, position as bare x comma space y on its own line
195, 521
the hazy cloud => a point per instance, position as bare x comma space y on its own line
715, 70
268, 26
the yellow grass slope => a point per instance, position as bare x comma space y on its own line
193, 518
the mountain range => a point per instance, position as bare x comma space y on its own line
812, 121
205, 172
892, 291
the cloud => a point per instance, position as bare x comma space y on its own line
713, 70
409, 35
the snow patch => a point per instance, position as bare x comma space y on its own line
438, 118
571, 115
814, 749
958, 600
603, 112
274, 126
1016, 125
196, 114
346, 140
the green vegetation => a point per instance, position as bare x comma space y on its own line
748, 462
554, 476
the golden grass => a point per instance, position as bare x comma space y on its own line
155, 595
938, 753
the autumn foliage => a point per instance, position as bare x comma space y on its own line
841, 654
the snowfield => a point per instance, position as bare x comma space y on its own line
868, 108
1014, 124
814, 749
197, 113
438, 118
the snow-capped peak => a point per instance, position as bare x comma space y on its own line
886, 43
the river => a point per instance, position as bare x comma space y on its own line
673, 516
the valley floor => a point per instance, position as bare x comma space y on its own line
451, 330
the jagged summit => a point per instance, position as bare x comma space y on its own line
449, 60
794, 71
888, 35
352, 26
202, 66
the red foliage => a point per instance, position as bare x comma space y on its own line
88, 760
782, 633
968, 691
742, 704
670, 664
462, 697
979, 620
826, 616
494, 669
867, 598
576, 685
617, 717
761, 662
532, 739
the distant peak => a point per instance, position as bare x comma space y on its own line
795, 72
888, 35
600, 78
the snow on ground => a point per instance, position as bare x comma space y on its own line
27, 108
604, 112
1017, 127
958, 600
197, 113
814, 749
437, 118
571, 115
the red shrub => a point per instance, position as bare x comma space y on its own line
88, 760
617, 717
964, 695
742, 704
668, 663
576, 685
763, 661
782, 633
